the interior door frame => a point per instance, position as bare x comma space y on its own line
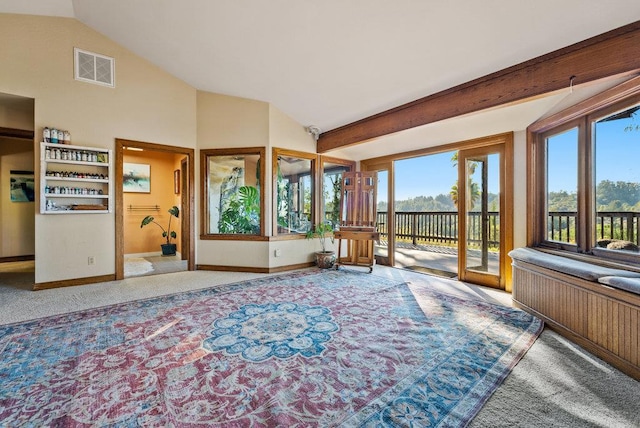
503, 279
188, 209
185, 238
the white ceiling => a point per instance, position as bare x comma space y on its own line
331, 62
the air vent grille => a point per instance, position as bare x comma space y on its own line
94, 68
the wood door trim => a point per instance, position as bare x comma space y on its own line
505, 149
188, 210
24, 134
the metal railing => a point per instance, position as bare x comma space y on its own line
441, 227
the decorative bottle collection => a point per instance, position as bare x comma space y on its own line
74, 155
56, 136
72, 174
73, 179
68, 190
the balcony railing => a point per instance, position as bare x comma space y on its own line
437, 227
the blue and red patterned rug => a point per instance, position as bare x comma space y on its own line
317, 348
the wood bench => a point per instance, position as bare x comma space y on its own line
594, 306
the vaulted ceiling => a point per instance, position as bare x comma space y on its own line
331, 62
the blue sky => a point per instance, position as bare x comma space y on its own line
619, 161
617, 155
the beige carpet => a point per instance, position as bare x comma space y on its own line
556, 384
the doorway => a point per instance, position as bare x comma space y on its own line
383, 249
17, 193
169, 182
485, 217
469, 236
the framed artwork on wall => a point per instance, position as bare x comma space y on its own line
136, 177
22, 186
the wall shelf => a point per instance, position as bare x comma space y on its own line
75, 179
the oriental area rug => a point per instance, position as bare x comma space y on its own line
313, 348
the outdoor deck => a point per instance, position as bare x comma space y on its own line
439, 257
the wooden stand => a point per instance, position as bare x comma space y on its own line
358, 219
359, 246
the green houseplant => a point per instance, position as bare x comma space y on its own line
324, 259
242, 214
168, 248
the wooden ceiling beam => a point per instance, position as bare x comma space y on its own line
16, 133
612, 53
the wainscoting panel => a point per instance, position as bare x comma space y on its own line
601, 319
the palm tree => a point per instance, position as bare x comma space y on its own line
472, 186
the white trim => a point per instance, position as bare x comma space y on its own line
76, 69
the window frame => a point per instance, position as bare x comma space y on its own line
204, 202
313, 174
583, 115
351, 165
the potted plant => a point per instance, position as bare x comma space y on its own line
324, 259
168, 249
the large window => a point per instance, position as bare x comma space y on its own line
233, 195
585, 187
332, 170
294, 187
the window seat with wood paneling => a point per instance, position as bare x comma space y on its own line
595, 306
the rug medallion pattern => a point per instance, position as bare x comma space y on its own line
317, 348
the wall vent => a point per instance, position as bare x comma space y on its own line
94, 68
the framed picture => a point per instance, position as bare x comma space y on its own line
22, 186
176, 181
136, 177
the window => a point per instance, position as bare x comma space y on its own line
562, 186
232, 182
585, 191
332, 170
294, 183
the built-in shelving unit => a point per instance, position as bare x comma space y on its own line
75, 179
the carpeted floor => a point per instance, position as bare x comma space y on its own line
556, 384
314, 348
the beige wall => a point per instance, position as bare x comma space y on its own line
16, 112
147, 105
16, 218
147, 240
227, 122
520, 189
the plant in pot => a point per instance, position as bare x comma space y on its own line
324, 259
168, 249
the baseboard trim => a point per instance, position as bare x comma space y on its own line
17, 259
254, 269
72, 282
